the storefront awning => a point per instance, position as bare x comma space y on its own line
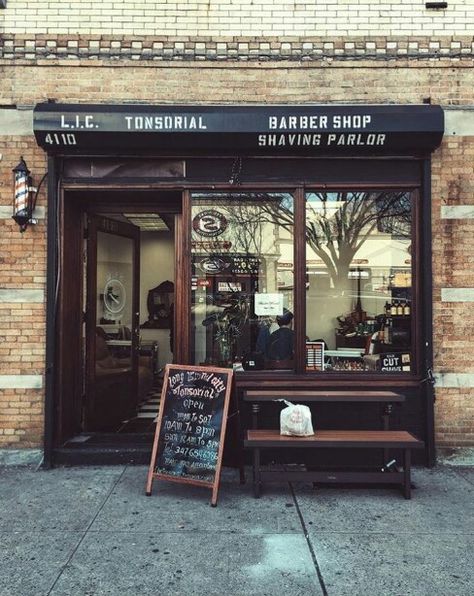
304, 130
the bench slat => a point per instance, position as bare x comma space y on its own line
334, 438
322, 396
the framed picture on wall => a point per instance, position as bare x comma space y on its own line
159, 303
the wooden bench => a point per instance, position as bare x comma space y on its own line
334, 439
388, 398
382, 397
323, 395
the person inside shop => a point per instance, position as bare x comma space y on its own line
266, 326
281, 342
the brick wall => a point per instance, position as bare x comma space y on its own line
358, 82
22, 306
235, 30
446, 81
238, 17
453, 267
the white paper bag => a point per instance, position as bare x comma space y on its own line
295, 420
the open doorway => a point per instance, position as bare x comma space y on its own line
123, 282
129, 321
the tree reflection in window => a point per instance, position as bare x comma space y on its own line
338, 223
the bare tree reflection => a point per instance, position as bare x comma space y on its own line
252, 235
339, 223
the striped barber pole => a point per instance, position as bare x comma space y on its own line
21, 192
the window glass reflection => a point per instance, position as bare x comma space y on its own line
359, 283
242, 279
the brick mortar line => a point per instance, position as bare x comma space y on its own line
216, 56
242, 38
286, 62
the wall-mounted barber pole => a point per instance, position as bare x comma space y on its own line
24, 196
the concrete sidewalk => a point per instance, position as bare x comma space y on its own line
92, 531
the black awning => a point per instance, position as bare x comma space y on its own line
305, 130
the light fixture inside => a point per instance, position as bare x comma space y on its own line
147, 222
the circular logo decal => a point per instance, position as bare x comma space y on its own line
212, 265
114, 296
209, 223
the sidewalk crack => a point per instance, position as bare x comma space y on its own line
308, 541
466, 478
86, 531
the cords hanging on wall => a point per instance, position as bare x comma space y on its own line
236, 170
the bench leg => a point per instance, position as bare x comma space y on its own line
387, 411
406, 474
256, 472
255, 411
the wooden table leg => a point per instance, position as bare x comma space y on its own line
256, 472
386, 426
238, 434
255, 411
406, 474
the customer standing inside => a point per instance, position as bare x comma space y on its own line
281, 341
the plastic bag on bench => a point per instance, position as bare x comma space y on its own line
295, 420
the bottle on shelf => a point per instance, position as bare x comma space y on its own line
388, 309
393, 308
400, 308
406, 309
387, 336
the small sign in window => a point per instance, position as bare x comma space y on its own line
268, 305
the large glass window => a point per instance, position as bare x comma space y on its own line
359, 281
242, 279
356, 281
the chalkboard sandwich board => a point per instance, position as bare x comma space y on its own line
189, 437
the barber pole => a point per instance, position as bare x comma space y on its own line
21, 203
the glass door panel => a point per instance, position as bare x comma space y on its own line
112, 323
114, 289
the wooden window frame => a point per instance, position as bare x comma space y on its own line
299, 295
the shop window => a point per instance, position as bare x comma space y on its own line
359, 281
242, 279
357, 285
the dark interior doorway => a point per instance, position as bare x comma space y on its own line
116, 322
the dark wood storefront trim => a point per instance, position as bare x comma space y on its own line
426, 256
295, 174
264, 379
51, 312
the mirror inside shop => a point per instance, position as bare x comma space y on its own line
358, 280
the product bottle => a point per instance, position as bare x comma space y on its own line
386, 331
388, 309
407, 309
393, 309
399, 308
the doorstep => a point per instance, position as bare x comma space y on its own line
104, 449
